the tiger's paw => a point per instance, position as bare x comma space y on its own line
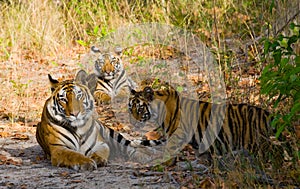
85, 166
102, 98
99, 160
77, 162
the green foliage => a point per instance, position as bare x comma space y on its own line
20, 88
280, 79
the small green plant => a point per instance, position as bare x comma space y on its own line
20, 88
280, 79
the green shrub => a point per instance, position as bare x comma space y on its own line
280, 79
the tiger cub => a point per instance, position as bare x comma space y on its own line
208, 127
111, 75
69, 132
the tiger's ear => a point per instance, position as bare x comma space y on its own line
118, 50
88, 80
53, 82
132, 91
92, 82
131, 86
148, 93
81, 77
95, 49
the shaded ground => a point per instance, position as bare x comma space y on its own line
22, 166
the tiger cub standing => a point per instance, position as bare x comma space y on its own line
69, 132
184, 120
111, 75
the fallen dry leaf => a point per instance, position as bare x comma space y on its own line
64, 174
7, 159
4, 134
207, 183
76, 181
19, 136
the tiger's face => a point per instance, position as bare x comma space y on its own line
108, 65
139, 106
71, 102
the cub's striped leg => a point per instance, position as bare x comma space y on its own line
102, 98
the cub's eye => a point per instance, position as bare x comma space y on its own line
99, 62
98, 66
140, 110
113, 59
117, 66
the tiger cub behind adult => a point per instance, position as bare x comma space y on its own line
184, 120
111, 75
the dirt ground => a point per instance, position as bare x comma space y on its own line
25, 167
24, 89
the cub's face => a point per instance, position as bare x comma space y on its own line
108, 65
139, 105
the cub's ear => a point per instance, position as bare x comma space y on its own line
148, 93
53, 83
118, 50
95, 49
81, 77
92, 82
88, 80
132, 91
131, 86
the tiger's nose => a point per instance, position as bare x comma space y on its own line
108, 70
74, 113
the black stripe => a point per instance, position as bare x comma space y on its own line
62, 145
117, 82
127, 142
111, 133
91, 147
88, 133
66, 137
105, 84
119, 138
145, 143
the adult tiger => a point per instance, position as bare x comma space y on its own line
111, 75
69, 132
216, 128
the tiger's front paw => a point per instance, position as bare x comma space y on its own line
102, 98
88, 165
75, 161
99, 160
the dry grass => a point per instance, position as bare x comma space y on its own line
34, 26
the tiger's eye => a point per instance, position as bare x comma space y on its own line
79, 94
